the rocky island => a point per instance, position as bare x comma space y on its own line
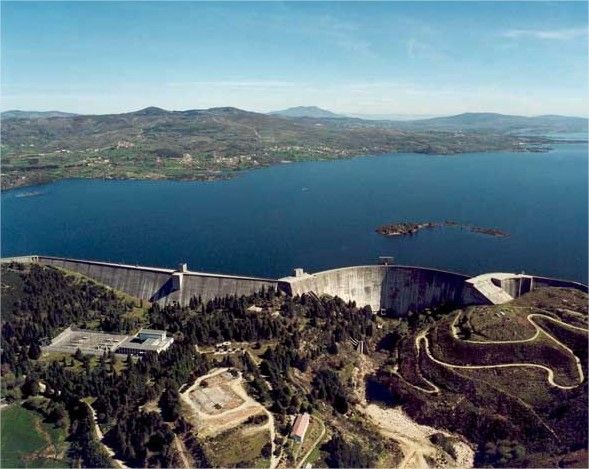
410, 228
402, 229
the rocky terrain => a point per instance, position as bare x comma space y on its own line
410, 228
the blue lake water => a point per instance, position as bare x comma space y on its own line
321, 215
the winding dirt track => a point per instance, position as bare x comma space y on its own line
100, 437
422, 337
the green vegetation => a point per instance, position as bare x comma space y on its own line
301, 356
513, 415
346, 453
28, 441
313, 433
305, 338
239, 447
209, 144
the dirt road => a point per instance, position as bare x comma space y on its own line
100, 437
317, 441
413, 439
422, 337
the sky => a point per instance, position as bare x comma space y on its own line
408, 58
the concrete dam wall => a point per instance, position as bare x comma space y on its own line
398, 289
554, 282
164, 286
395, 288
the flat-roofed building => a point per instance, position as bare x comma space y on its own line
88, 342
151, 334
146, 340
300, 427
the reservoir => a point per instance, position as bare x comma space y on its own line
320, 215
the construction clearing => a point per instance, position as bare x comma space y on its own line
219, 402
220, 407
215, 395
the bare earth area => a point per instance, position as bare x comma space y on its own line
223, 404
418, 450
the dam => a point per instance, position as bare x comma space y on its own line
396, 289
154, 284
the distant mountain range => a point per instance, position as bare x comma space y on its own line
470, 121
16, 114
306, 111
394, 117
206, 143
501, 123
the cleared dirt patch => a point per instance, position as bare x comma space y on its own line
221, 403
414, 439
215, 395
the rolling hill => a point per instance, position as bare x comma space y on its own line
16, 114
154, 143
486, 121
306, 111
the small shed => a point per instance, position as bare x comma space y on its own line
300, 427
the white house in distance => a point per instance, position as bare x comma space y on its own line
300, 427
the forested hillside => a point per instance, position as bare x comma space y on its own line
304, 354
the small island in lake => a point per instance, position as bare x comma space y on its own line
410, 228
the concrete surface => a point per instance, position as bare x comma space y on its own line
395, 288
160, 285
398, 289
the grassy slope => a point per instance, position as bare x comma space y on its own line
233, 447
27, 441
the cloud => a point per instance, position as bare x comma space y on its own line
565, 34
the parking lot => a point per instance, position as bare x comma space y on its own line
87, 341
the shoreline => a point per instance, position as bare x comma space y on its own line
219, 175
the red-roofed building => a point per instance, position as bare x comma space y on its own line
300, 427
